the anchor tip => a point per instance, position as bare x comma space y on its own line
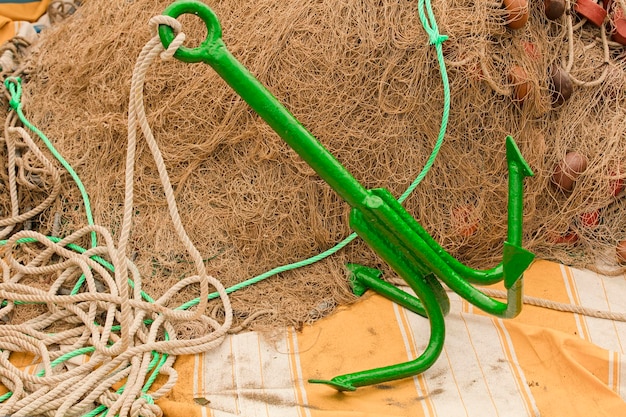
514, 156
339, 386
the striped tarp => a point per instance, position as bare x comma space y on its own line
542, 363
15, 13
26, 10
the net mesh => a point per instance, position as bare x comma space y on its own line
362, 78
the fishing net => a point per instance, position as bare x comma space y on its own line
361, 76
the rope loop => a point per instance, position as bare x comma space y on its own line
144, 407
14, 85
161, 19
176, 26
430, 23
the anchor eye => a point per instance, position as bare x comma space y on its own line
213, 29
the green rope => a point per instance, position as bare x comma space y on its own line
68, 356
54, 363
436, 39
103, 409
14, 85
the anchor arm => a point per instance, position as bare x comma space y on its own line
386, 227
399, 230
362, 278
433, 301
518, 169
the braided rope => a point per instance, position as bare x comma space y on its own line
565, 307
117, 332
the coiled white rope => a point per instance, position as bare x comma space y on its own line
114, 330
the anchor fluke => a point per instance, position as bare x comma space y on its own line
515, 260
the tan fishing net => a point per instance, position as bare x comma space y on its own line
361, 76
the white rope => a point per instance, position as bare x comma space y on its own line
553, 305
87, 319
570, 52
7, 61
541, 302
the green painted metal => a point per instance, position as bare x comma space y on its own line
377, 217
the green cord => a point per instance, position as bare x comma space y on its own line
54, 363
435, 38
68, 356
103, 410
14, 85
154, 374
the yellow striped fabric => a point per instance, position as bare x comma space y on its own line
542, 363
26, 10
13, 14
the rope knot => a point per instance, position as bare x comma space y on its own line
144, 407
14, 85
161, 19
437, 38
176, 26
14, 103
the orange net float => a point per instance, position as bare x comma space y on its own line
591, 10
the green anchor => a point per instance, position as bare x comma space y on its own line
377, 217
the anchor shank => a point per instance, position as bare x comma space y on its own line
286, 125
